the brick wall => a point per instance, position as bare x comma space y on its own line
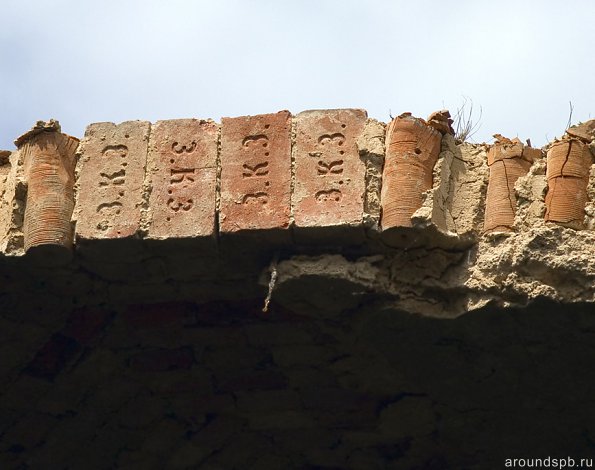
135, 337
220, 385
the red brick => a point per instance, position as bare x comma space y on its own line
159, 315
53, 357
158, 360
49, 160
254, 380
111, 172
508, 160
255, 172
86, 324
329, 175
334, 398
182, 168
412, 149
568, 166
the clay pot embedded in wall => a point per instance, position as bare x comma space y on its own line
508, 160
568, 167
411, 153
49, 159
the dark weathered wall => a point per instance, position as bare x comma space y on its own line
220, 385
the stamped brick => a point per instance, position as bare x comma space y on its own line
329, 175
111, 172
182, 169
255, 172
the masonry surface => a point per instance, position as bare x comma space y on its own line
411, 281
400, 211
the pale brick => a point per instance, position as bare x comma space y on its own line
111, 173
329, 188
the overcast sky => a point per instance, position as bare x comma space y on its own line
83, 61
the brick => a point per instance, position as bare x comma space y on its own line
188, 455
141, 412
22, 394
329, 187
220, 430
49, 159
29, 431
234, 358
255, 173
159, 315
283, 420
111, 173
412, 149
113, 395
333, 398
182, 170
192, 407
163, 436
53, 357
86, 324
241, 452
158, 360
266, 334
178, 382
253, 380
267, 401
508, 160
568, 167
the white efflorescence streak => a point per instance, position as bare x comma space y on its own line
273, 280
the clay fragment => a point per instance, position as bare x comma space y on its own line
412, 150
441, 121
508, 160
49, 160
584, 131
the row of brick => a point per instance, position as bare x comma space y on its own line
276, 175
163, 177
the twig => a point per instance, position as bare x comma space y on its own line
465, 128
570, 115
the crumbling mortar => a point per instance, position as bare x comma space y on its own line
147, 188
218, 187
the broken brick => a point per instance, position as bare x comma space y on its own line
508, 160
49, 172
568, 167
412, 149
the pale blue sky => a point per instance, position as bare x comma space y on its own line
85, 61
